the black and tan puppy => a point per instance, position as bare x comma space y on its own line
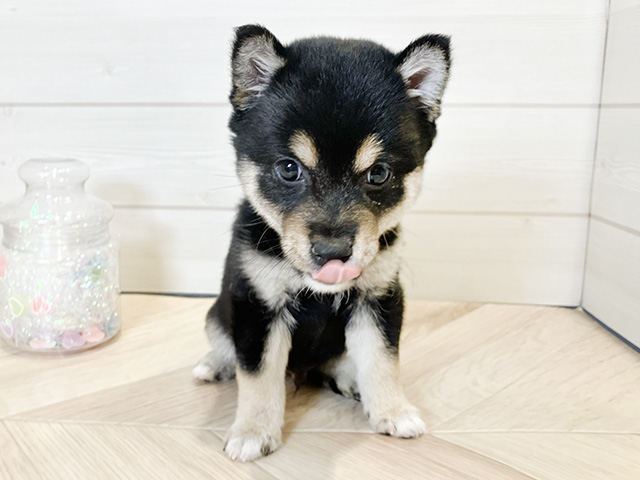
331, 137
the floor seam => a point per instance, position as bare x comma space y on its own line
169, 426
499, 462
554, 432
518, 378
106, 423
307, 431
83, 395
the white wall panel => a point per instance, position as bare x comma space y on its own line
532, 259
612, 280
484, 159
498, 59
618, 5
612, 275
622, 67
294, 8
616, 186
172, 250
455, 257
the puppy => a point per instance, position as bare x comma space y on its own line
330, 137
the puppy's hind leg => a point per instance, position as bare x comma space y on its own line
340, 375
219, 364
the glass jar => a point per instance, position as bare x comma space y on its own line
59, 281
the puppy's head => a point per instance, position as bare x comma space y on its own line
331, 137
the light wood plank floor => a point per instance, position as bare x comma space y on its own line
508, 392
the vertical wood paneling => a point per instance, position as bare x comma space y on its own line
622, 68
612, 275
612, 279
616, 187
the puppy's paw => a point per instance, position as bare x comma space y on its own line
344, 387
340, 376
247, 444
403, 421
212, 369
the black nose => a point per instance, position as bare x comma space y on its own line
331, 248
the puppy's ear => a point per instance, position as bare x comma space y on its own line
257, 55
424, 66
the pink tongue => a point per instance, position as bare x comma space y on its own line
336, 271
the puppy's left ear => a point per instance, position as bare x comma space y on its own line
424, 66
257, 55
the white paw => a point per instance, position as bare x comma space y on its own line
340, 376
250, 444
403, 421
208, 369
203, 372
347, 388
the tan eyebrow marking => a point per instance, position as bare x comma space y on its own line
368, 153
303, 147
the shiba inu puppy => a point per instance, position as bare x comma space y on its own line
331, 137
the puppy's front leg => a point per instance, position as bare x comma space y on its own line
372, 342
257, 429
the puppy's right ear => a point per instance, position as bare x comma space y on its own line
257, 55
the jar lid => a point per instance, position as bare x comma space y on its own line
54, 200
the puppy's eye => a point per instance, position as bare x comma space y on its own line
379, 174
288, 170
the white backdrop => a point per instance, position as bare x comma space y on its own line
138, 89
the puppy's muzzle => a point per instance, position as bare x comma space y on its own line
324, 250
332, 255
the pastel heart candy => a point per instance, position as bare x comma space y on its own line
3, 266
42, 343
93, 336
72, 340
336, 271
7, 329
40, 306
16, 306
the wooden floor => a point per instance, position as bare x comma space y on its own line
508, 392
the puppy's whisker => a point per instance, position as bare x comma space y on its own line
414, 234
253, 224
268, 273
237, 185
405, 266
384, 237
273, 266
241, 225
264, 232
258, 253
271, 249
